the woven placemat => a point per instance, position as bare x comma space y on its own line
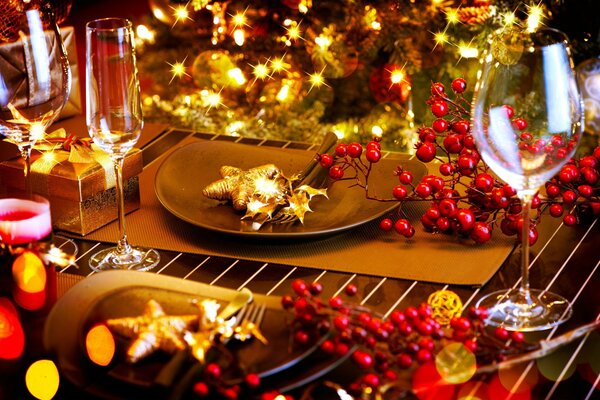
364, 250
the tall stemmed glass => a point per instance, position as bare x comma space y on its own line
530, 73
114, 120
35, 84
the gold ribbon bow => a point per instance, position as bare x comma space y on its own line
59, 146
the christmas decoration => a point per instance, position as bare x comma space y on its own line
445, 305
265, 193
465, 198
152, 331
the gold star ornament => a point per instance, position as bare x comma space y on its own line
153, 331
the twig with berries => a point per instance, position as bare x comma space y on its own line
465, 198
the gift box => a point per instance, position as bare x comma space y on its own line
79, 183
14, 67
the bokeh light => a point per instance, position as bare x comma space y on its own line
476, 390
100, 345
42, 379
427, 384
12, 338
30, 277
520, 378
455, 363
552, 366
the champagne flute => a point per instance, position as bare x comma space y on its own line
114, 120
35, 86
530, 74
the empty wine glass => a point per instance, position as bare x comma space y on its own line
35, 83
114, 120
528, 74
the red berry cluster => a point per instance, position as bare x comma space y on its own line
465, 198
381, 347
212, 386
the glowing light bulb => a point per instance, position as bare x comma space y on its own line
283, 93
239, 19
237, 76
239, 37
452, 16
376, 130
534, 19
397, 76
323, 42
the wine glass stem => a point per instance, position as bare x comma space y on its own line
123, 246
526, 198
26, 155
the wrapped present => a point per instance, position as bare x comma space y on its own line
78, 179
14, 67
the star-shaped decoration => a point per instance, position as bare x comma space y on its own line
153, 331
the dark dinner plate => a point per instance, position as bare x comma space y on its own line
116, 294
185, 172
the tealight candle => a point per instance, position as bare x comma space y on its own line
23, 221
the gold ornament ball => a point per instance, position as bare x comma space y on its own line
211, 69
445, 305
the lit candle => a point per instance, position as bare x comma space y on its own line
24, 221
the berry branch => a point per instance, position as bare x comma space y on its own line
465, 198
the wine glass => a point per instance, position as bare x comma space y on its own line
528, 74
114, 121
35, 83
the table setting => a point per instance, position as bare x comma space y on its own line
182, 249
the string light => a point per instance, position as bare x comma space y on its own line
440, 38
239, 37
237, 76
452, 16
279, 64
293, 32
316, 80
534, 18
180, 13
509, 18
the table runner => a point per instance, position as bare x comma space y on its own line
366, 250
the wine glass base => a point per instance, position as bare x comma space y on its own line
139, 259
508, 309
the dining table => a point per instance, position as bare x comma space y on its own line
564, 259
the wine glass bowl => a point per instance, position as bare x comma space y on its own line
35, 85
527, 122
114, 120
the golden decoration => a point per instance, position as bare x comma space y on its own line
264, 192
507, 46
445, 305
474, 15
152, 331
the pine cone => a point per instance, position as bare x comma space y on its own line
474, 15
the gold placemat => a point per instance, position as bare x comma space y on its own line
364, 250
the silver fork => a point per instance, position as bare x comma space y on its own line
247, 324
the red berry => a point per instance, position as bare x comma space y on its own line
409, 233
404, 360
460, 324
213, 370
585, 190
335, 302
569, 196
390, 375
517, 337
425, 152
423, 190
424, 356
439, 108
371, 380
405, 177
326, 160
411, 313
341, 349
552, 191
508, 190
510, 112
459, 85
597, 153
362, 359
481, 232
341, 150
446, 169
424, 328
201, 389
570, 220
386, 225
557, 141
354, 150
471, 345
252, 380
536, 201
440, 125
437, 89
501, 333
373, 155
374, 145
301, 337
533, 235
405, 328
590, 175
520, 123
397, 317
484, 182
433, 213
426, 134
336, 172
299, 287
328, 347
465, 219
461, 127
556, 210
316, 288
443, 224
351, 289
402, 225
400, 192
526, 137
287, 301
466, 164
588, 161
453, 143
359, 334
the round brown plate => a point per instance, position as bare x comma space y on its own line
182, 176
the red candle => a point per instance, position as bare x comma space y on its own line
23, 221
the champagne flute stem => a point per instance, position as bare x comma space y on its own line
123, 246
26, 154
526, 199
